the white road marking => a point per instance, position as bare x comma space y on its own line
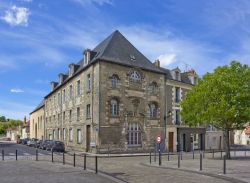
26, 154
12, 154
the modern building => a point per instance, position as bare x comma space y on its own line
115, 99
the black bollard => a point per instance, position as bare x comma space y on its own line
96, 164
2, 155
168, 155
150, 157
16, 154
36, 155
224, 164
178, 159
63, 159
159, 157
52, 157
74, 160
85, 159
200, 161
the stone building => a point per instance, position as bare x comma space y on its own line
116, 99
36, 121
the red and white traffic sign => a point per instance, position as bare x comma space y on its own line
158, 139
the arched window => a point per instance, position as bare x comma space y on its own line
114, 81
153, 87
134, 134
153, 110
114, 107
135, 76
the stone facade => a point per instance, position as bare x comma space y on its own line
115, 100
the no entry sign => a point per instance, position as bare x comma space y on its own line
158, 139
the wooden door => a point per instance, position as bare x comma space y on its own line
170, 141
88, 135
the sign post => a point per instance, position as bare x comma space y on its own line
158, 141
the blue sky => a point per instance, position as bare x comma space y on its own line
39, 38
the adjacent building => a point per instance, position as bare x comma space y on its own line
242, 137
36, 122
115, 99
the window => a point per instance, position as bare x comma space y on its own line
50, 137
63, 95
88, 111
177, 117
64, 134
59, 98
177, 94
153, 87
78, 114
54, 134
177, 75
78, 87
88, 83
135, 76
70, 91
79, 140
63, 116
114, 107
59, 134
70, 115
114, 81
134, 135
153, 110
70, 135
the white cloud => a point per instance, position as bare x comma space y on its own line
16, 16
28, 1
16, 90
167, 59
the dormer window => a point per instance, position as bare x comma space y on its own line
135, 76
177, 75
71, 69
86, 56
132, 57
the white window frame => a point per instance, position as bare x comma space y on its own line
79, 136
70, 134
134, 135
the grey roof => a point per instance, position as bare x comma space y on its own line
116, 48
40, 105
184, 76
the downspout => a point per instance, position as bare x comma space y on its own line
165, 112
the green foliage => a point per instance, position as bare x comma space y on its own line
221, 98
9, 124
2, 119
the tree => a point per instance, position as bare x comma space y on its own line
2, 119
221, 98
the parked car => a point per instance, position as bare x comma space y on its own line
32, 142
43, 144
38, 143
55, 146
25, 140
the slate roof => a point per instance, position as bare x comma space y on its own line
116, 48
40, 105
184, 76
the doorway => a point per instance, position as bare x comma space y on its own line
88, 135
170, 141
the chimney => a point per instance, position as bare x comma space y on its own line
157, 63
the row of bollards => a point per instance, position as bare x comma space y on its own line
179, 158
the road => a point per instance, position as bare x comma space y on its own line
22, 150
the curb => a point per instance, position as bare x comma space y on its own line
219, 176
